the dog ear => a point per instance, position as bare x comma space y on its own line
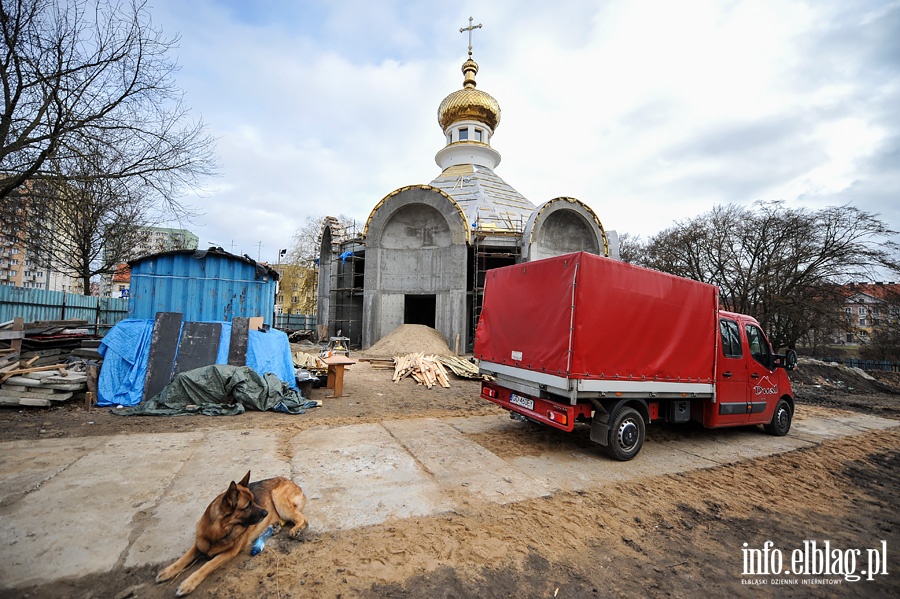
229, 502
245, 482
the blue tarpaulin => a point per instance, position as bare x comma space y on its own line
126, 350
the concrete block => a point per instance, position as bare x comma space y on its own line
23, 381
36, 402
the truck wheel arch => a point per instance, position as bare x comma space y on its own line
604, 409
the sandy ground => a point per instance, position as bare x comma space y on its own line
671, 536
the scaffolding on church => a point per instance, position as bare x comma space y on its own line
495, 243
346, 285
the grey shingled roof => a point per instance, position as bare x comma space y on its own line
490, 203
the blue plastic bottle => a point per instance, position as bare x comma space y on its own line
260, 543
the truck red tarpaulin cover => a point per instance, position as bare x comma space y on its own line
576, 315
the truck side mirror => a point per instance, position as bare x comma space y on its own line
787, 360
790, 359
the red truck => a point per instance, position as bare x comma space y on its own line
584, 338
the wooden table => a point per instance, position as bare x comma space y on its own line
336, 366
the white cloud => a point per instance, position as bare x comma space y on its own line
649, 111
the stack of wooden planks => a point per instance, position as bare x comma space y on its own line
380, 363
425, 370
461, 368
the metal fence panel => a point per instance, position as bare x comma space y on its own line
41, 305
864, 364
295, 322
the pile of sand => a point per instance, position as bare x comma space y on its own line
408, 338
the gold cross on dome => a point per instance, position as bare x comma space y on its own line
470, 28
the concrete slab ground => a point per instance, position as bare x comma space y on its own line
72, 507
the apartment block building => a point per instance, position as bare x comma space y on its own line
868, 306
19, 270
161, 239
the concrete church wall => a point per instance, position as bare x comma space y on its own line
324, 314
560, 226
416, 265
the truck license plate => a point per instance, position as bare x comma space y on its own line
521, 401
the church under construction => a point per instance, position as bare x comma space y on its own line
424, 250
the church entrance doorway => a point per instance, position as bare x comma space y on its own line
419, 309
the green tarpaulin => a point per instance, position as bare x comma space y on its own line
221, 390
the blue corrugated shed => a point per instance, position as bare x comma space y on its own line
210, 285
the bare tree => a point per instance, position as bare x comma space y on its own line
82, 224
781, 265
630, 248
94, 75
305, 245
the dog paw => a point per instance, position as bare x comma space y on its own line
185, 588
163, 576
298, 530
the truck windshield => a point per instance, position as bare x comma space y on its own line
759, 347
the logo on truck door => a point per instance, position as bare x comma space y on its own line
765, 386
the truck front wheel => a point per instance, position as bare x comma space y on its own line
781, 420
626, 434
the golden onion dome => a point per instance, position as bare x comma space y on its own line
468, 103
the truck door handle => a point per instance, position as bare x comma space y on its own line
754, 376
727, 375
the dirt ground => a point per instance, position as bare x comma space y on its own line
671, 536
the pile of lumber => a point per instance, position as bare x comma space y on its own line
380, 363
9, 360
461, 368
41, 385
425, 370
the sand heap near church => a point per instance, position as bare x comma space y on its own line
409, 338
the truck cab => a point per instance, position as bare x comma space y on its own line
751, 381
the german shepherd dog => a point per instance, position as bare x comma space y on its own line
234, 520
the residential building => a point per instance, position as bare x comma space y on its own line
296, 289
18, 269
161, 239
868, 306
121, 282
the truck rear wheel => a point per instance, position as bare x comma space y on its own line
626, 434
781, 420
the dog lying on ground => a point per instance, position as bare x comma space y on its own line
234, 520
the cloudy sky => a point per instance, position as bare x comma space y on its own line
649, 111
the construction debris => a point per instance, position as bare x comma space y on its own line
40, 386
425, 370
309, 362
47, 362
